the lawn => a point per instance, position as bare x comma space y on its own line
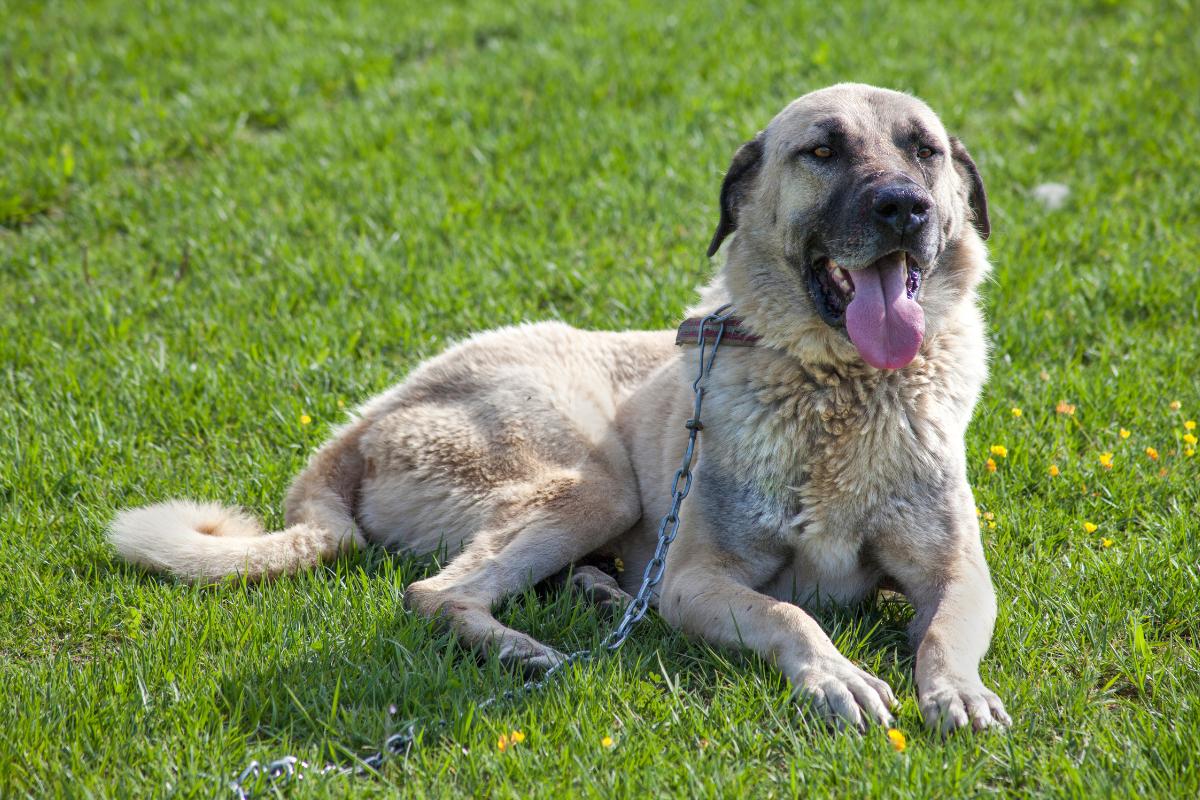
223, 223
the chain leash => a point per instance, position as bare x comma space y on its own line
257, 779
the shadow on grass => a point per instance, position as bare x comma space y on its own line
342, 702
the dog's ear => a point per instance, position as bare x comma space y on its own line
733, 191
977, 196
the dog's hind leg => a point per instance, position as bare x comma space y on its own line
539, 528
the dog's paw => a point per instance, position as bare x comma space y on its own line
844, 695
602, 589
951, 705
527, 655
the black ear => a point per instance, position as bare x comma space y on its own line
733, 191
978, 195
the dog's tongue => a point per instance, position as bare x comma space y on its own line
884, 323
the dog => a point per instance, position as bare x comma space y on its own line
831, 461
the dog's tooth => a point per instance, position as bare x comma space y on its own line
842, 280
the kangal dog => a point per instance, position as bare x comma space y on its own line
831, 461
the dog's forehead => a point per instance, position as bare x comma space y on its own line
863, 111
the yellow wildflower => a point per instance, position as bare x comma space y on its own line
606, 741
1152, 453
1190, 424
1175, 405
1189, 452
341, 403
1124, 433
1016, 412
991, 526
978, 513
305, 419
897, 740
1053, 470
508, 740
999, 450
989, 516
1106, 460
991, 465
1190, 438
1106, 542
1090, 527
1064, 407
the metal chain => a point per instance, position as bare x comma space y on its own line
258, 778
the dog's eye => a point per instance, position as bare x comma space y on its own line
925, 152
821, 151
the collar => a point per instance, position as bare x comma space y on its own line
736, 332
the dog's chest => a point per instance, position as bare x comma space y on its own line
820, 462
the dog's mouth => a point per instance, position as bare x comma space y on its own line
876, 304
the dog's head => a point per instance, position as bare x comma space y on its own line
854, 211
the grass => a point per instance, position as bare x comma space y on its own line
217, 217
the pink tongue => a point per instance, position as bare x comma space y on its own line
883, 322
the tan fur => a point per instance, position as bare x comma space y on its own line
526, 449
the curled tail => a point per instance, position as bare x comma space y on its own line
204, 542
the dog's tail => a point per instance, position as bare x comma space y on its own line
204, 542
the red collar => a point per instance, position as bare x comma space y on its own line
736, 333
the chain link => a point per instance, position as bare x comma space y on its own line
258, 778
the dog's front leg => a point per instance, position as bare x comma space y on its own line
707, 591
952, 629
951, 590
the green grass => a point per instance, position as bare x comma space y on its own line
216, 217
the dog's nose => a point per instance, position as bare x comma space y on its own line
901, 208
